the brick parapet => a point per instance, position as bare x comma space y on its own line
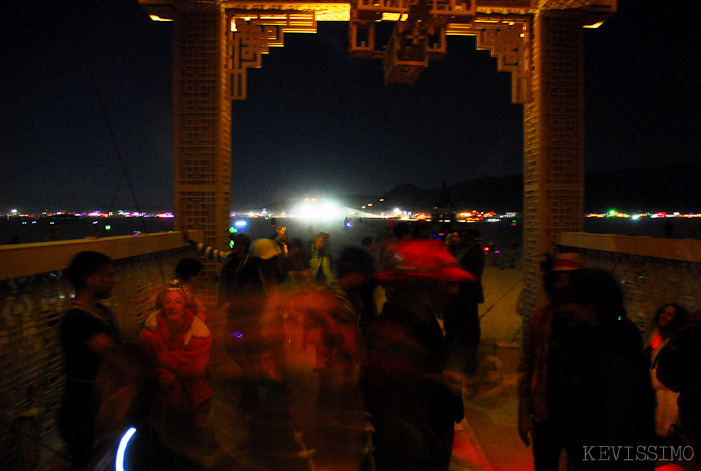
652, 271
31, 303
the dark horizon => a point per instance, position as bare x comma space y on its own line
676, 189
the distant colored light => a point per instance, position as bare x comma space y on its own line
108, 227
158, 18
241, 223
238, 335
136, 233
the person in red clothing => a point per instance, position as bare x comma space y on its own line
180, 344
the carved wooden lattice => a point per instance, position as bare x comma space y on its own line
202, 126
507, 39
253, 36
553, 144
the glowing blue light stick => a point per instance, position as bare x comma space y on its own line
122, 449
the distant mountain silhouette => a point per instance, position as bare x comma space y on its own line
674, 188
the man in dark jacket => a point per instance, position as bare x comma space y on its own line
88, 330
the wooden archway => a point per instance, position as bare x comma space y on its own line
539, 41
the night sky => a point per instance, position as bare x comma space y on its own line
86, 88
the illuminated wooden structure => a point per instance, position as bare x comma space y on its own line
539, 41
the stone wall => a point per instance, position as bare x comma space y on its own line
652, 271
31, 383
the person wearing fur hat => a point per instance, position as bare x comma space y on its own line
179, 342
533, 418
414, 403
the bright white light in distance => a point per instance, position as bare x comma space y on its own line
317, 209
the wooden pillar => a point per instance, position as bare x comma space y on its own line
553, 142
202, 122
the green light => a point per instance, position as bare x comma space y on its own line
612, 212
108, 227
232, 230
231, 244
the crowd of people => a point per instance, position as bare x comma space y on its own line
586, 395
394, 327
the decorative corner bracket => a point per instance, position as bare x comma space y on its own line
252, 35
509, 41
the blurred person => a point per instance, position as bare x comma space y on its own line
298, 269
88, 331
258, 342
256, 282
679, 369
421, 230
369, 243
599, 390
281, 238
354, 284
320, 261
179, 342
395, 237
333, 318
127, 391
462, 321
402, 232
668, 320
414, 403
229, 279
533, 418
387, 239
453, 242
190, 272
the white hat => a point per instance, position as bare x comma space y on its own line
265, 249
